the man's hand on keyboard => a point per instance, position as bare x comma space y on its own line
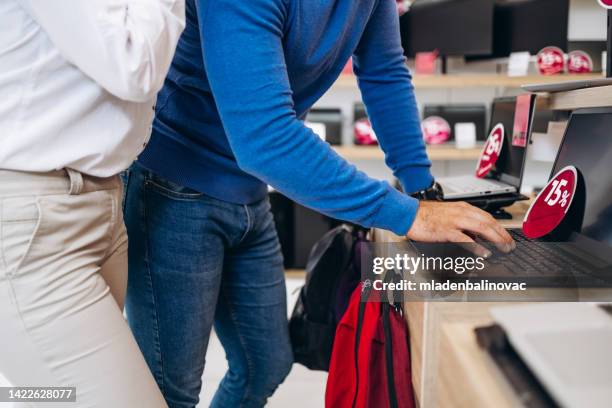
458, 222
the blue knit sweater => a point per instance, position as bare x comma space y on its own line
229, 118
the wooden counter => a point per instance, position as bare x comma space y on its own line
458, 81
440, 152
581, 98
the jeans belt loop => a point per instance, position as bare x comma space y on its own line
76, 182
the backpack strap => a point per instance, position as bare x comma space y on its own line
365, 291
389, 355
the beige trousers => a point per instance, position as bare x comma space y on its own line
63, 276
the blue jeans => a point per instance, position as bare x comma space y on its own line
194, 261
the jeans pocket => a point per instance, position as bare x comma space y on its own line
170, 189
19, 221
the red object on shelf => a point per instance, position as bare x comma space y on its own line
521, 120
551, 61
606, 3
579, 62
402, 6
425, 62
436, 130
491, 151
364, 133
552, 204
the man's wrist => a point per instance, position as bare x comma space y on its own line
433, 192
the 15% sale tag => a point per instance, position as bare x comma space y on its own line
552, 204
491, 151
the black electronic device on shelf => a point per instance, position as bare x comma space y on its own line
460, 113
331, 121
529, 25
359, 111
452, 27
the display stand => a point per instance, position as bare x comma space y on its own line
495, 205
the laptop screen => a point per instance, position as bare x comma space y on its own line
587, 145
509, 166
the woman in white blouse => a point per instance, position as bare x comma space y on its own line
78, 80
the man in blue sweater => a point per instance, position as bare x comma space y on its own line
203, 248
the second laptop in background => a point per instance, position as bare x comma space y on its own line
507, 174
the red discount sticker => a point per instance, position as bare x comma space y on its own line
579, 62
402, 6
551, 205
606, 3
436, 130
364, 133
522, 114
491, 151
551, 61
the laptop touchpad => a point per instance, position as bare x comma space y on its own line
580, 358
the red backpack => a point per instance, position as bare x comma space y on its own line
370, 362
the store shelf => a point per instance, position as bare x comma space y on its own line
581, 98
434, 153
473, 80
295, 273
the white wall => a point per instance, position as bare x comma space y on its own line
587, 20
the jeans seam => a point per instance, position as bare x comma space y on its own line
149, 277
248, 222
124, 189
244, 348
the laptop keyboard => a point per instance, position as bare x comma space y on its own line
539, 258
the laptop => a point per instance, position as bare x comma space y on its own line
568, 86
582, 252
567, 346
506, 176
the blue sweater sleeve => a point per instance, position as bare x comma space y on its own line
388, 95
244, 61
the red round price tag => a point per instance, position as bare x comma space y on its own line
436, 130
402, 6
551, 60
550, 206
364, 133
579, 62
491, 151
606, 3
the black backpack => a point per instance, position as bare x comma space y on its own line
332, 273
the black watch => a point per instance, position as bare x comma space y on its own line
434, 192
